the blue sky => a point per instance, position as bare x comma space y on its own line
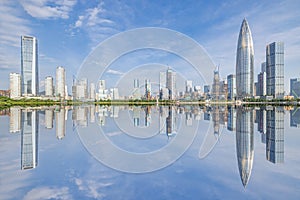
68, 30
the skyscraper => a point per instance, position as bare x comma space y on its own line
189, 86
49, 86
147, 89
171, 83
295, 87
60, 82
92, 91
136, 89
216, 85
231, 82
15, 85
244, 63
275, 69
29, 66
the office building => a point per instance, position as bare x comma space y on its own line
147, 89
136, 94
206, 89
102, 93
261, 89
29, 66
245, 63
295, 87
231, 83
188, 86
15, 85
114, 94
275, 69
60, 82
171, 83
215, 93
49, 86
92, 91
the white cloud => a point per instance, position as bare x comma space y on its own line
114, 72
48, 193
13, 25
46, 9
103, 20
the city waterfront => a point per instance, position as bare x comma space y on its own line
232, 152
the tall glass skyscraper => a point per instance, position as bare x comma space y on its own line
244, 63
29, 66
171, 83
275, 69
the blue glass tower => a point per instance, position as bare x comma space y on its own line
29, 66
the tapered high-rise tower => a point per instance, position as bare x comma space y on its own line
29, 66
244, 63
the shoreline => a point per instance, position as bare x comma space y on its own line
7, 102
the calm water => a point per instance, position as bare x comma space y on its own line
117, 152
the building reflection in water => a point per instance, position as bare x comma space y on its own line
295, 117
29, 139
15, 120
49, 113
231, 124
60, 116
261, 120
275, 135
270, 123
136, 116
147, 110
244, 143
171, 121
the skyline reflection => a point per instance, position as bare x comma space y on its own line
238, 120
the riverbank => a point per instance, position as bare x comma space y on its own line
7, 102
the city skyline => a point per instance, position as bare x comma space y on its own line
91, 23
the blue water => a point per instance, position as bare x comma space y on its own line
64, 160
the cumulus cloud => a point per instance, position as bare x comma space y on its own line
46, 9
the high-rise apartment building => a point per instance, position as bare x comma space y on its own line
275, 69
29, 66
60, 82
244, 63
49, 86
15, 85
